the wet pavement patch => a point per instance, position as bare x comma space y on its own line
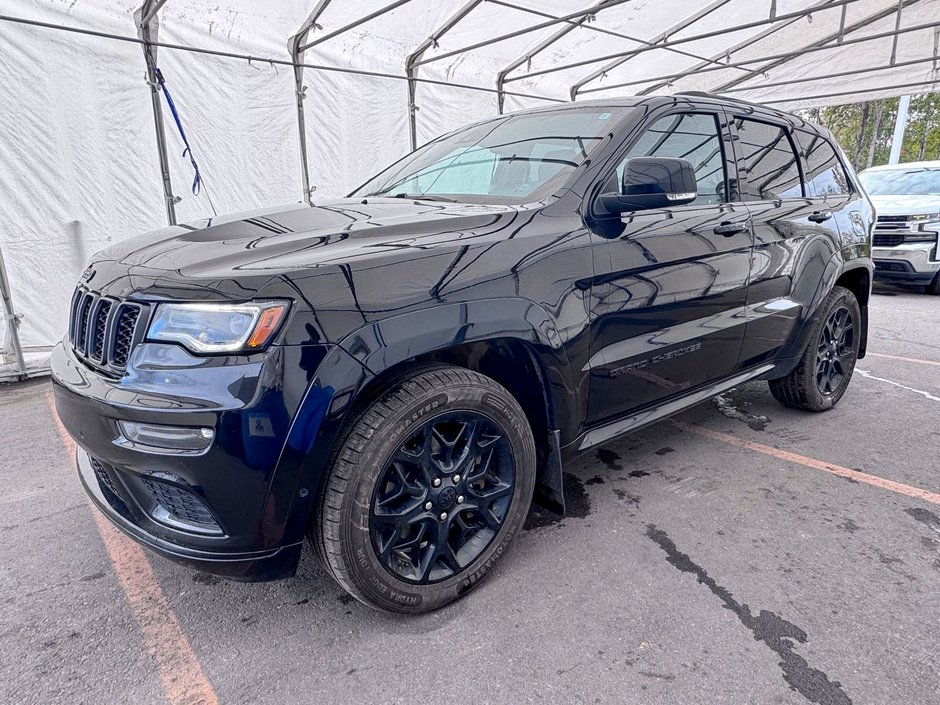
610, 459
596, 480
665, 450
727, 408
577, 505
926, 517
206, 579
775, 632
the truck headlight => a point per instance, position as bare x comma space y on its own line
218, 328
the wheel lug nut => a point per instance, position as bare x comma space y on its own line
456, 479
460, 499
443, 516
436, 482
427, 506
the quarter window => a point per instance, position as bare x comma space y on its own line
770, 163
825, 175
692, 136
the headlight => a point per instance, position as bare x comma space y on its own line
928, 225
218, 328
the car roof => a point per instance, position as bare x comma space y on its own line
934, 164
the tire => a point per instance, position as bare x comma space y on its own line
381, 531
810, 386
934, 286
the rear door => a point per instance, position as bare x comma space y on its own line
670, 284
785, 219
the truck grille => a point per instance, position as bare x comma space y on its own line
103, 331
886, 239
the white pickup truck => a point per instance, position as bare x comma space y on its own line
907, 202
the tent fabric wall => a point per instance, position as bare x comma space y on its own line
78, 156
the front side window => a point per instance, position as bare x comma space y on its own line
510, 160
825, 175
692, 136
770, 164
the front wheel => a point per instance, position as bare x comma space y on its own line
428, 488
825, 369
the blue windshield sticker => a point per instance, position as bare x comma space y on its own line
603, 116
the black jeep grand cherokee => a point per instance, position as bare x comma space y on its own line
396, 373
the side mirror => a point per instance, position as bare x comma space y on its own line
652, 182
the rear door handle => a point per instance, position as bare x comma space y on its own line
820, 216
728, 228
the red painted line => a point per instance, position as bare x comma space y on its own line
184, 681
808, 462
904, 359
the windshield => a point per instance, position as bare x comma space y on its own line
511, 160
902, 182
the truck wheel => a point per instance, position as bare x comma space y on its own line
427, 489
823, 373
934, 286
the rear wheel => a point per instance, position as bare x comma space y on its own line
825, 369
429, 487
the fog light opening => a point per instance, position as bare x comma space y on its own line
154, 438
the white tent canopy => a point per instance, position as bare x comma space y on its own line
80, 158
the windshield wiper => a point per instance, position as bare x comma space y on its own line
424, 197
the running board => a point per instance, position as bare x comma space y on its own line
636, 421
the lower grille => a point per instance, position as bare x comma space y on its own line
108, 488
181, 506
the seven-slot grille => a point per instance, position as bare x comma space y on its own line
104, 331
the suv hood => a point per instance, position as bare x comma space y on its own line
905, 205
279, 240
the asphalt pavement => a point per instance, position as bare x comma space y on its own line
741, 553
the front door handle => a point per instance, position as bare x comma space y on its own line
728, 228
820, 216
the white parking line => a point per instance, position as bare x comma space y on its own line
869, 375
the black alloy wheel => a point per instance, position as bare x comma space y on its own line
825, 367
835, 353
442, 497
426, 490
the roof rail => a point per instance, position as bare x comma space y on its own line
717, 96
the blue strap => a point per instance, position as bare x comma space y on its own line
197, 178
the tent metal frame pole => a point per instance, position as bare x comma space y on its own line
838, 37
933, 84
662, 36
569, 27
824, 77
683, 40
585, 24
531, 28
783, 57
150, 10
300, 94
12, 320
411, 65
352, 25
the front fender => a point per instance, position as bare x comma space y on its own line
382, 345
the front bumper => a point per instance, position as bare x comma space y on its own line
911, 263
225, 511
249, 566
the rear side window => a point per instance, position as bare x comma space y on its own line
692, 136
825, 175
770, 162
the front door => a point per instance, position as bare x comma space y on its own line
670, 288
